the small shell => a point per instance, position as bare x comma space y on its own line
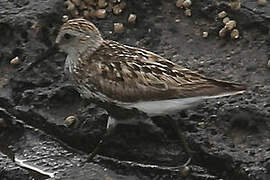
117, 9
102, 3
235, 4
222, 32
90, 2
262, 2
179, 3
235, 34
205, 34
118, 27
70, 5
187, 4
70, 120
202, 124
225, 20
230, 25
76, 2
132, 18
100, 13
188, 12
15, 61
222, 14
64, 18
185, 171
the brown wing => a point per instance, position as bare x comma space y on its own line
129, 74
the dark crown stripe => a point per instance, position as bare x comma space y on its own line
80, 25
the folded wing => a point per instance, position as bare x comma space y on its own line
139, 75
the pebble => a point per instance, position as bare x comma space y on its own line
100, 13
179, 3
230, 25
205, 34
222, 32
187, 4
70, 120
225, 20
132, 18
15, 61
188, 12
222, 14
235, 34
64, 18
118, 27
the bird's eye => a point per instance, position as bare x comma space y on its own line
67, 36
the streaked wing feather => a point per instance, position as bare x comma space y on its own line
129, 74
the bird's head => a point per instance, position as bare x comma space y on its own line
77, 36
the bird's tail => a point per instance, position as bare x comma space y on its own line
226, 88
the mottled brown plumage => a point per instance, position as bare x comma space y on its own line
129, 74
115, 72
130, 77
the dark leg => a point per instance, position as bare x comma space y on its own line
182, 139
110, 127
112, 123
97, 148
152, 128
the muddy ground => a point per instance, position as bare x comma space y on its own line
229, 135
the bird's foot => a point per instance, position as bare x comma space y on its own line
185, 169
187, 162
94, 152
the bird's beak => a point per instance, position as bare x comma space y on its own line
57, 40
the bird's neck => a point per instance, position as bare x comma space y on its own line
70, 64
90, 46
82, 53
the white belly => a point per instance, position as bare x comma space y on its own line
155, 108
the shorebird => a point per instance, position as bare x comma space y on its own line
128, 81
